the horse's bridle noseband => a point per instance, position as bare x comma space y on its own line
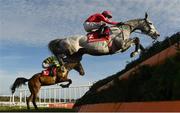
149, 30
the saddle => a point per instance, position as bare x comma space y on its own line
96, 37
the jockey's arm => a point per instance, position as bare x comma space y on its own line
108, 21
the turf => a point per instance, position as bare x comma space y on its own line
24, 109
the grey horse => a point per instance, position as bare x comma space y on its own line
74, 47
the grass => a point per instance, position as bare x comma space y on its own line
24, 109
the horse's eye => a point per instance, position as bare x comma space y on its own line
150, 23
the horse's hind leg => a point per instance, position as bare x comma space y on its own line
35, 93
34, 101
28, 101
34, 87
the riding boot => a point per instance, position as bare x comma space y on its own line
51, 72
101, 31
104, 32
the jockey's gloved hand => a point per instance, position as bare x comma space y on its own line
103, 25
120, 23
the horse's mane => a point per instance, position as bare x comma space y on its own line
132, 20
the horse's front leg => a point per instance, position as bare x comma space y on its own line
79, 68
127, 45
138, 47
66, 85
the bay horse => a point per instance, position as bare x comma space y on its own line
38, 80
76, 46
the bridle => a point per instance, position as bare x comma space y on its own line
147, 32
121, 30
142, 32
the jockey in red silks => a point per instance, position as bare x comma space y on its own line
98, 22
50, 63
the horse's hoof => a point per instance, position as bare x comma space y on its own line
82, 74
64, 86
61, 85
132, 54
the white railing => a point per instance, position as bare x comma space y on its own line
49, 95
7, 100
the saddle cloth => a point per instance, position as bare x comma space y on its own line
94, 37
47, 72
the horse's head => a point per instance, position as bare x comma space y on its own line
148, 28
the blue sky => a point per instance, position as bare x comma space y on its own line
26, 27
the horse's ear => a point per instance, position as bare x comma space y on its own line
146, 15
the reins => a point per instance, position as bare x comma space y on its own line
122, 33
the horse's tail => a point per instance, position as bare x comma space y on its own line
18, 82
54, 45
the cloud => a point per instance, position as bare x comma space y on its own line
12, 57
36, 22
